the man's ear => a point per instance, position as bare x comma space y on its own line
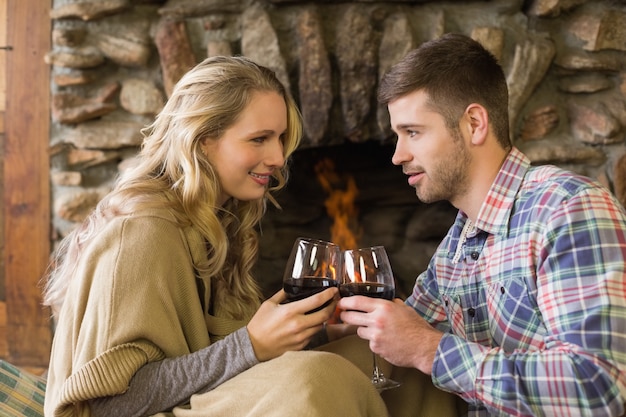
477, 119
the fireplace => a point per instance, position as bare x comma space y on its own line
386, 211
112, 67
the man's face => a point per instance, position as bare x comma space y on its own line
435, 159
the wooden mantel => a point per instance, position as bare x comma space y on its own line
25, 30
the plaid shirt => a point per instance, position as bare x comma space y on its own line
534, 312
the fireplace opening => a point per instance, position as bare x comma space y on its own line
386, 211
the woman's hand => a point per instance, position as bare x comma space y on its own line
277, 328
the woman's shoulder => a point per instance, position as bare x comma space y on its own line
147, 221
158, 226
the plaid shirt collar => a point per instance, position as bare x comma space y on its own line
495, 212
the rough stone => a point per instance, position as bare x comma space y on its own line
532, 59
68, 36
71, 109
105, 134
594, 125
175, 52
616, 105
491, 38
66, 178
259, 42
65, 77
86, 158
89, 10
585, 83
539, 123
219, 48
314, 85
396, 42
83, 57
124, 50
358, 71
191, 8
563, 152
619, 179
606, 30
141, 97
584, 61
551, 8
76, 206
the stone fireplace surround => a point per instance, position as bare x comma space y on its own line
114, 62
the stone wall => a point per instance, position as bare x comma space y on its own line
115, 61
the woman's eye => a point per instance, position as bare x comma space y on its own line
259, 139
411, 133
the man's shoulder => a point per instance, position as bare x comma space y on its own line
545, 178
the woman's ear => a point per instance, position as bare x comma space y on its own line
478, 123
203, 144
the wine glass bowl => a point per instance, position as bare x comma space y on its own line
313, 266
367, 272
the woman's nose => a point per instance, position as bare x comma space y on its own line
275, 156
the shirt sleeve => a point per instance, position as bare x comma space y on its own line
580, 369
160, 386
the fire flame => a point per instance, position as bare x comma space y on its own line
342, 192
340, 204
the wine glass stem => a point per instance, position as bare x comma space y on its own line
377, 374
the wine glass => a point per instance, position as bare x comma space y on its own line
367, 271
313, 266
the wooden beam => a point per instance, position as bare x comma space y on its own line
3, 53
3, 87
4, 346
26, 180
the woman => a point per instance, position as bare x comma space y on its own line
154, 295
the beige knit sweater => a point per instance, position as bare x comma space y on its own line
134, 300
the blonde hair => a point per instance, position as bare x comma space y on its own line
172, 172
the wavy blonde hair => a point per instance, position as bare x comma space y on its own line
173, 172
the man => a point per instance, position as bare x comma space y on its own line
522, 310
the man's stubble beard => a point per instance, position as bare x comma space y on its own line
448, 178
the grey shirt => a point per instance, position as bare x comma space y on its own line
160, 386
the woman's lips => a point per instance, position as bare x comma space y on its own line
260, 178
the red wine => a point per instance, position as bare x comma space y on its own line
368, 289
299, 288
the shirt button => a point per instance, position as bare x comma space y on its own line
471, 311
475, 255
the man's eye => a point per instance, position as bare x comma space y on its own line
411, 133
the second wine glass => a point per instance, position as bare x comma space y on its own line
367, 271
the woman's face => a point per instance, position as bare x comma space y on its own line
250, 150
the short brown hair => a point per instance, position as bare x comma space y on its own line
455, 71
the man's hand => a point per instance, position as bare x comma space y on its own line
394, 330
